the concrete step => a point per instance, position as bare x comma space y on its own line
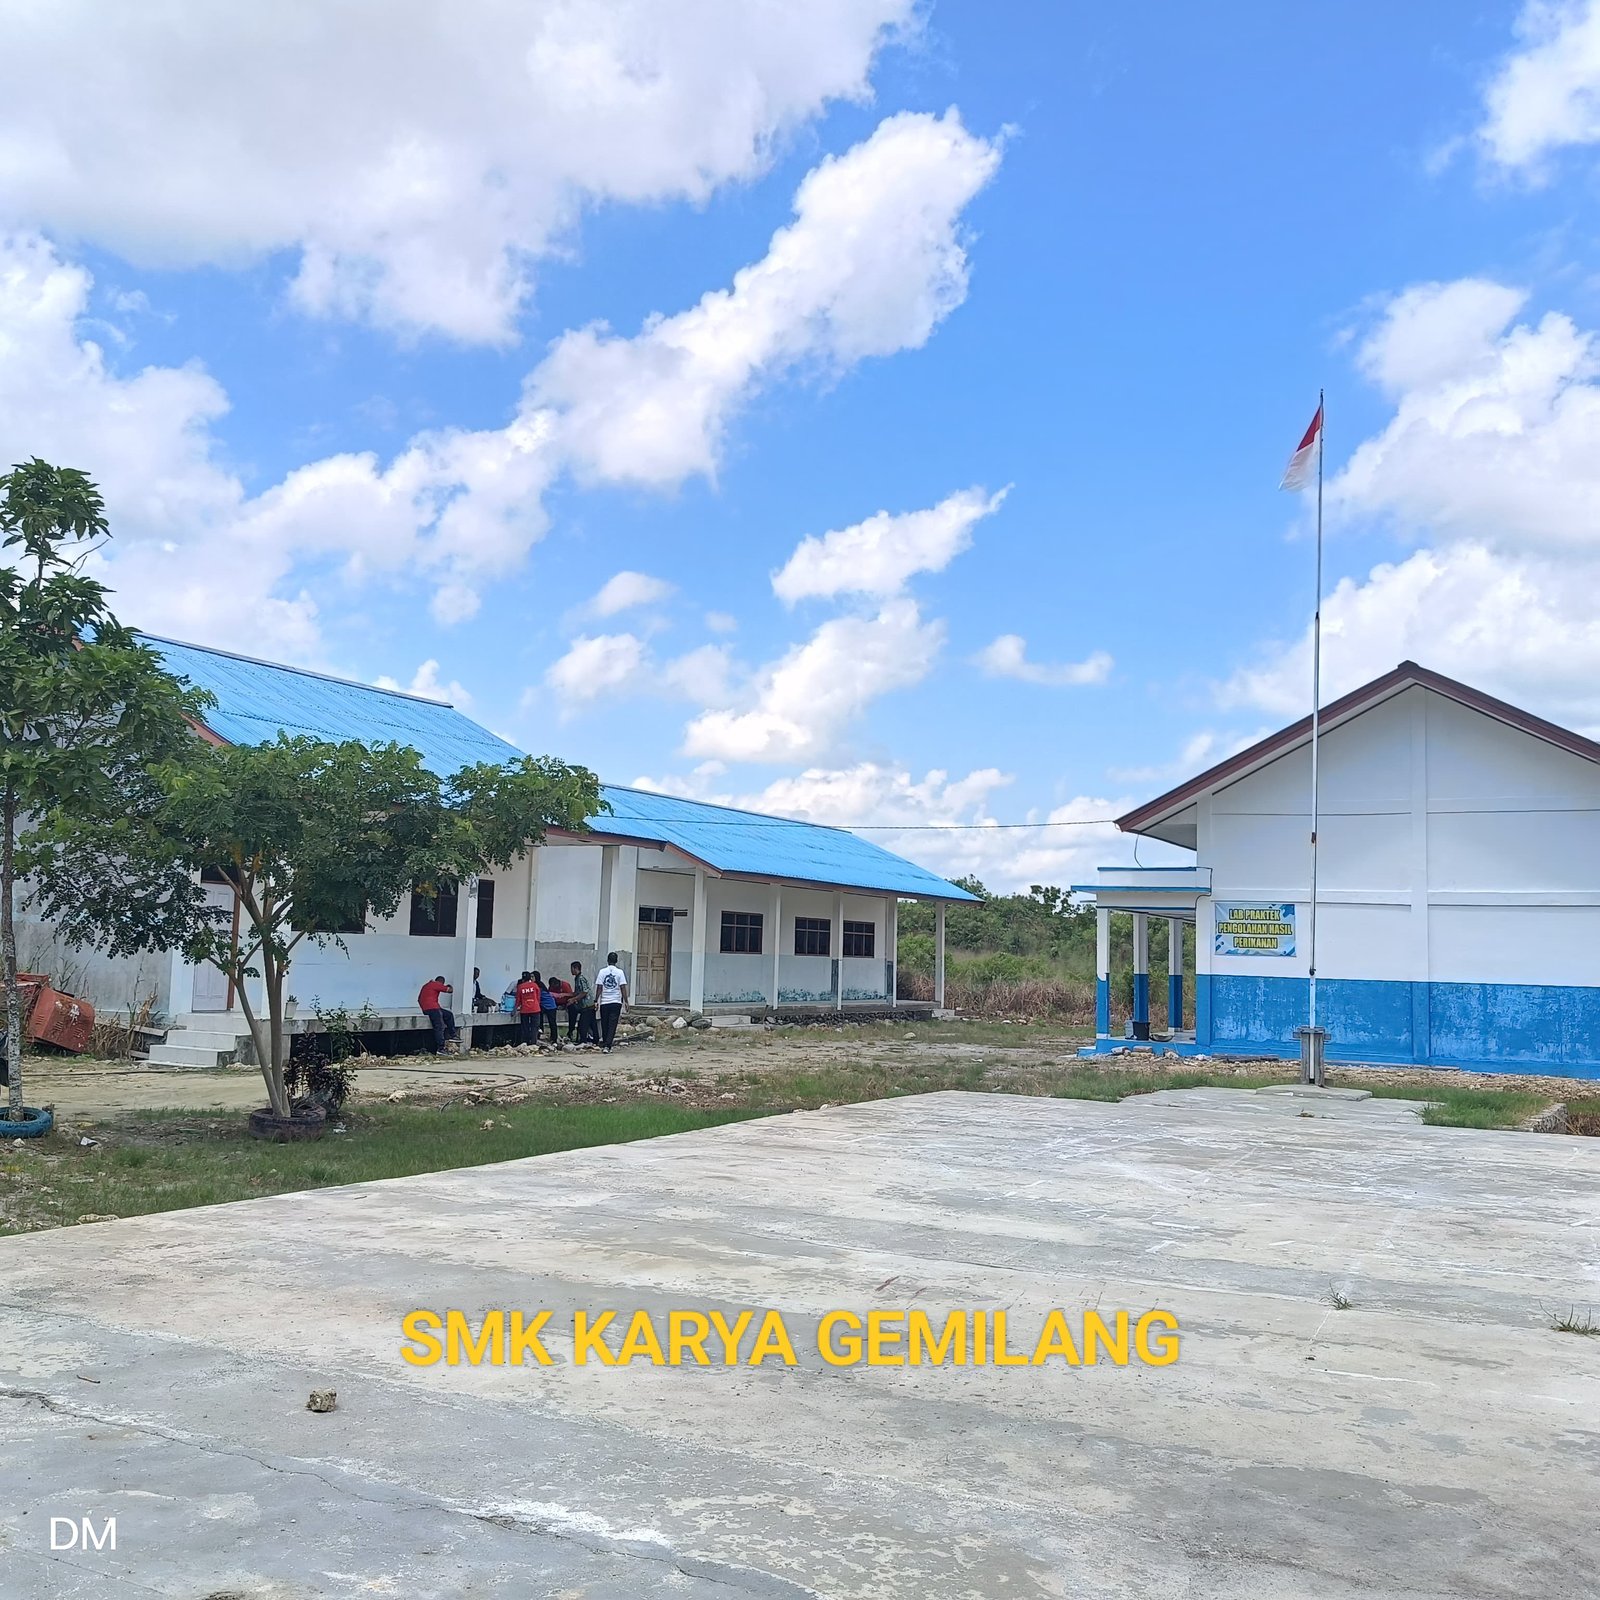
188, 1055
208, 1038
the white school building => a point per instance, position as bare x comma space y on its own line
707, 906
1458, 889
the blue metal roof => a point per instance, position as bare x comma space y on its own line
258, 700
775, 847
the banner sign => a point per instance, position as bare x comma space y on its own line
1255, 930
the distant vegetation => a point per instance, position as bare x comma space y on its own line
1028, 955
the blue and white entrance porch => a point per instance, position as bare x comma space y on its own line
1145, 894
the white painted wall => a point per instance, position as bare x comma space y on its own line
1453, 849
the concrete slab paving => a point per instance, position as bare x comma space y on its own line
1435, 1439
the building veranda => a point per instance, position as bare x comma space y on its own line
706, 906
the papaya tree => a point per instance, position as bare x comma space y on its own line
86, 712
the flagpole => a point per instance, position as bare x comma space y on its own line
1316, 718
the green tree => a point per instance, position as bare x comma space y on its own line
85, 710
316, 836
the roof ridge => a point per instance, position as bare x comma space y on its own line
304, 672
1406, 675
717, 805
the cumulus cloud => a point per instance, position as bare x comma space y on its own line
425, 682
626, 590
873, 261
417, 169
946, 823
1007, 657
591, 668
198, 556
1546, 95
1491, 456
799, 706
880, 555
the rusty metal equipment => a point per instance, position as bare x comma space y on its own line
53, 1017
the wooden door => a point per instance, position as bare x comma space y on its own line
652, 968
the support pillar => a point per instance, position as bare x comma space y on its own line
837, 942
1141, 975
773, 989
938, 958
468, 904
891, 975
1102, 972
1174, 974
624, 902
530, 957
602, 934
697, 944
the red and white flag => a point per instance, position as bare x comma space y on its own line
1301, 472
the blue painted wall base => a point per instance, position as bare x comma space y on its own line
1549, 1029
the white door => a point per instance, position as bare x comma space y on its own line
210, 983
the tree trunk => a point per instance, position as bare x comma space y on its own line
8, 955
260, 1036
273, 971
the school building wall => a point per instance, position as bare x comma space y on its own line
1459, 894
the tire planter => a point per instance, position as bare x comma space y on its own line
34, 1124
308, 1124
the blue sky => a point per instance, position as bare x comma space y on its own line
322, 318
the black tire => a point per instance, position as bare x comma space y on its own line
34, 1125
308, 1124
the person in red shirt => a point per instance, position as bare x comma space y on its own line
528, 1001
430, 1002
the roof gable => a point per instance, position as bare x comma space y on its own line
1153, 813
258, 700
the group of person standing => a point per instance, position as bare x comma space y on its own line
593, 1010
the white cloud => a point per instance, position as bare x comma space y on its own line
425, 682
1007, 657
946, 824
1492, 455
593, 667
417, 167
878, 556
873, 261
197, 556
703, 676
1524, 628
721, 622
1546, 95
623, 666
626, 590
800, 705
1496, 430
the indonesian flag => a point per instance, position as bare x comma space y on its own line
1301, 472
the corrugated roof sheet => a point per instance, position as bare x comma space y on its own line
256, 700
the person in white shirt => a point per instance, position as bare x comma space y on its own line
611, 995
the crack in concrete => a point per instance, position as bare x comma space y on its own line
749, 1581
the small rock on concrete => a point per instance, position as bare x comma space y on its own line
322, 1400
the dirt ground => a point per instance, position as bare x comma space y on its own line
692, 1062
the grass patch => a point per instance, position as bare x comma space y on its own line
1574, 1321
171, 1161
1089, 1082
1467, 1108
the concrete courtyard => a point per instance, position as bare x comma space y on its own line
1435, 1438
